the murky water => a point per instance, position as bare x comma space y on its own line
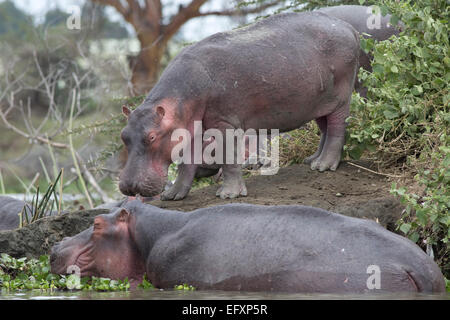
210, 295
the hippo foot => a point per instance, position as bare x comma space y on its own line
311, 158
228, 191
175, 193
322, 164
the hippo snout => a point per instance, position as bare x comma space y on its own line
65, 253
55, 260
128, 189
53, 256
147, 189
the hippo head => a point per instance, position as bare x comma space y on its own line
147, 138
107, 249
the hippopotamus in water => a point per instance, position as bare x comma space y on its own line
9, 212
363, 20
278, 73
250, 248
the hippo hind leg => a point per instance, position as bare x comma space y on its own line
322, 123
333, 133
330, 155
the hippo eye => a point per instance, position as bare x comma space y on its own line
96, 226
152, 137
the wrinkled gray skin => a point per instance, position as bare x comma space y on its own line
249, 248
358, 16
9, 212
280, 73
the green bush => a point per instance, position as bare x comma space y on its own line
29, 274
32, 274
405, 119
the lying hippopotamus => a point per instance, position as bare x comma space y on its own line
9, 212
249, 248
278, 73
365, 22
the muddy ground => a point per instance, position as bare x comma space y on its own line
349, 190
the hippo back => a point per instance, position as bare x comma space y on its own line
290, 248
360, 19
9, 212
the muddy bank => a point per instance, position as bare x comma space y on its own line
37, 238
349, 190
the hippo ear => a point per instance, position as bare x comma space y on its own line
124, 216
160, 112
126, 111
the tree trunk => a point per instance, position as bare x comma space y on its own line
145, 67
146, 19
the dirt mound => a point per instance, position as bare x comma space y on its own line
37, 238
349, 190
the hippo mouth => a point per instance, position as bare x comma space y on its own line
64, 257
149, 187
85, 260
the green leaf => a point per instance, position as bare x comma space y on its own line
405, 228
390, 114
377, 68
394, 19
414, 237
355, 153
447, 61
422, 216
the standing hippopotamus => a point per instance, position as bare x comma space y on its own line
9, 212
250, 248
364, 21
278, 73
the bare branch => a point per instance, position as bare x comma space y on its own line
31, 137
90, 178
184, 14
125, 12
239, 12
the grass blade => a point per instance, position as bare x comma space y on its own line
45, 170
2, 185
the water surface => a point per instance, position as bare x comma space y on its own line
156, 294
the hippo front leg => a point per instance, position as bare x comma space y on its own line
183, 183
233, 183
